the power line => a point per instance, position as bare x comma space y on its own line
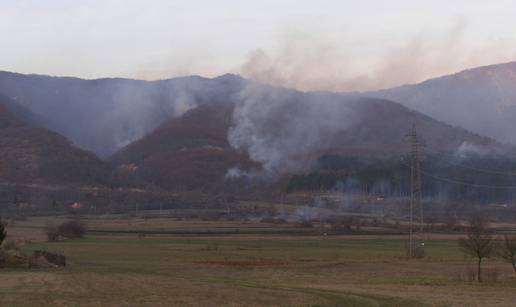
481, 170
476, 185
455, 181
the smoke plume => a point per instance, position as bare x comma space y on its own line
311, 61
281, 128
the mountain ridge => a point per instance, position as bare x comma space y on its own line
32, 154
482, 99
183, 149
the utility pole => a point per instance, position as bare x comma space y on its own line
416, 207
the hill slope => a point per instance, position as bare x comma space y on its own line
37, 156
482, 100
104, 115
276, 126
280, 132
190, 152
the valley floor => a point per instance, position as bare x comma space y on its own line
115, 268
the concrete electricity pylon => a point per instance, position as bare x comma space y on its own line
416, 207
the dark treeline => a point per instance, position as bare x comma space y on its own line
475, 178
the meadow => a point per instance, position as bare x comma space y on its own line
133, 261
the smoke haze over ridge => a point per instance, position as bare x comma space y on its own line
337, 45
311, 61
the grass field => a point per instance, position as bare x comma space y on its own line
115, 265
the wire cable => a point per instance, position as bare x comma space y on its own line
476, 185
486, 171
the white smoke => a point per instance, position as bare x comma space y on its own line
139, 107
284, 129
467, 149
184, 102
236, 172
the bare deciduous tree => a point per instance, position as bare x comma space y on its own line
478, 242
508, 250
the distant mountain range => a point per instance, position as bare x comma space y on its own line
482, 100
190, 133
104, 115
281, 133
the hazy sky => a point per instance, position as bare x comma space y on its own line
336, 45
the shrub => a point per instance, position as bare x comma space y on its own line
71, 230
67, 230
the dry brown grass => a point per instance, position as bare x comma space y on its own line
246, 270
